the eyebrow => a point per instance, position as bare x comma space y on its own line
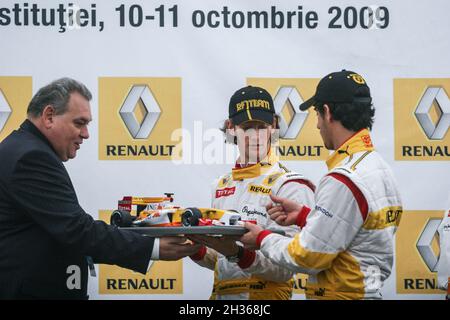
84, 120
257, 125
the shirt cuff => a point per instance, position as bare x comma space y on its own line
199, 255
247, 259
261, 237
155, 252
302, 215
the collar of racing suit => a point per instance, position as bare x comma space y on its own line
255, 170
360, 141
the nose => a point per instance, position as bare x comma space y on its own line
84, 133
253, 135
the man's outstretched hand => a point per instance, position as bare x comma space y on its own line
225, 245
175, 248
284, 212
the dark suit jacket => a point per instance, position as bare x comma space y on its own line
43, 229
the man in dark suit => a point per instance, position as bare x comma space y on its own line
45, 235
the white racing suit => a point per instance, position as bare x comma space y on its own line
443, 267
247, 190
347, 244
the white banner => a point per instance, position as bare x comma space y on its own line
179, 62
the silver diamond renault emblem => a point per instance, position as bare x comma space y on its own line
289, 96
140, 93
439, 96
5, 110
424, 244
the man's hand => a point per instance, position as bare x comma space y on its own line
249, 239
225, 245
285, 212
175, 248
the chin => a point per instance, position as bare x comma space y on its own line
252, 159
71, 156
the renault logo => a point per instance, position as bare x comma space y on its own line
286, 104
140, 97
5, 110
434, 100
424, 244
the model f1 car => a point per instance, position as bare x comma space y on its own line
160, 212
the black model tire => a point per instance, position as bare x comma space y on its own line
121, 218
190, 217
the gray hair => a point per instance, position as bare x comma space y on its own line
56, 94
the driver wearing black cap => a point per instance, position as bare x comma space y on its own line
257, 175
347, 244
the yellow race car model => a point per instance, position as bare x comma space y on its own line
160, 212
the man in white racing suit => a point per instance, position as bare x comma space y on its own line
347, 244
241, 273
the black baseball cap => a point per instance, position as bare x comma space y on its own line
343, 86
251, 103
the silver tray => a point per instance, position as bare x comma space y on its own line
174, 231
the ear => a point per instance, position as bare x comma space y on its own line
230, 135
48, 115
327, 116
274, 136
229, 125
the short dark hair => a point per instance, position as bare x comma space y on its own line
354, 116
56, 94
